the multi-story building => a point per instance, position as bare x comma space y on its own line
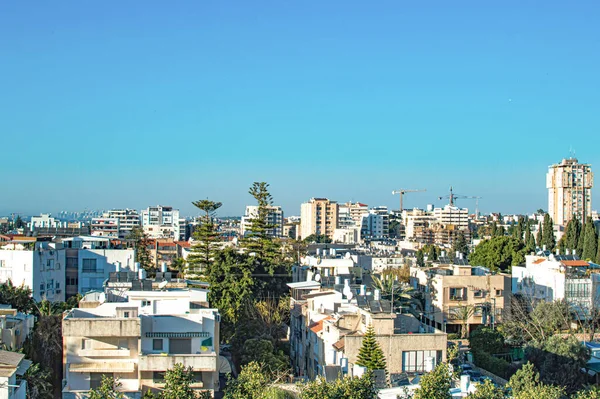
550, 277
569, 191
319, 216
417, 223
163, 222
449, 288
14, 327
273, 217
451, 215
115, 223
327, 328
376, 223
12, 382
38, 265
45, 220
138, 338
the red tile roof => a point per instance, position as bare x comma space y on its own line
537, 262
575, 263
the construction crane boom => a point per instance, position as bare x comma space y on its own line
453, 197
403, 191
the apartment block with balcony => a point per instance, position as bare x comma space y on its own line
550, 277
450, 288
319, 216
328, 326
15, 327
569, 191
139, 339
273, 218
163, 222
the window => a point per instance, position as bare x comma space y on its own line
96, 379
50, 264
458, 294
478, 293
158, 377
146, 303
89, 266
126, 315
50, 285
195, 305
180, 346
86, 344
123, 343
157, 344
42, 286
57, 285
498, 292
414, 361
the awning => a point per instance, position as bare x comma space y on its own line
199, 334
103, 367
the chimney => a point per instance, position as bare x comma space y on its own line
142, 274
376, 295
117, 266
567, 252
574, 252
338, 280
163, 267
136, 267
557, 251
543, 248
363, 290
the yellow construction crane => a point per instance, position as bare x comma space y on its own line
403, 191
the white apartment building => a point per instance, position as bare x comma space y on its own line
38, 265
569, 191
163, 222
137, 341
115, 223
15, 328
273, 218
45, 220
376, 223
417, 223
452, 215
13, 367
327, 328
552, 277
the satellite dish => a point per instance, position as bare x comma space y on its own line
317, 277
163, 284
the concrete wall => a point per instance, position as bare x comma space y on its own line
394, 345
106, 260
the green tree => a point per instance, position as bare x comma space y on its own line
487, 390
559, 361
463, 313
420, 258
391, 289
519, 229
206, 239
529, 240
590, 241
590, 393
548, 233
342, 388
525, 384
436, 384
572, 233
493, 229
108, 389
263, 351
460, 245
178, 381
539, 235
317, 238
39, 382
231, 283
498, 253
17, 297
522, 325
484, 339
370, 354
253, 383
598, 252
141, 242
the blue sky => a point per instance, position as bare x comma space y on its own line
127, 104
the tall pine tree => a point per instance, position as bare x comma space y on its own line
548, 233
206, 240
529, 240
538, 238
590, 240
370, 354
598, 252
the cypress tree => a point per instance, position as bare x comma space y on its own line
529, 240
519, 229
590, 241
572, 234
538, 238
370, 354
493, 229
548, 233
598, 252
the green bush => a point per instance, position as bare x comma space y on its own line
494, 365
452, 336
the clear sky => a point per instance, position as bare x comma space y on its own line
133, 103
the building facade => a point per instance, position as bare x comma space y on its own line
569, 191
319, 216
273, 218
139, 339
163, 222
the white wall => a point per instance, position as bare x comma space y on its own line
106, 260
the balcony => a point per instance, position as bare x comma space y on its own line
105, 353
162, 362
101, 327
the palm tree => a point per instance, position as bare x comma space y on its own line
400, 293
463, 313
180, 265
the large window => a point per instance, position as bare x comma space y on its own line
458, 294
414, 361
180, 346
89, 266
157, 344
